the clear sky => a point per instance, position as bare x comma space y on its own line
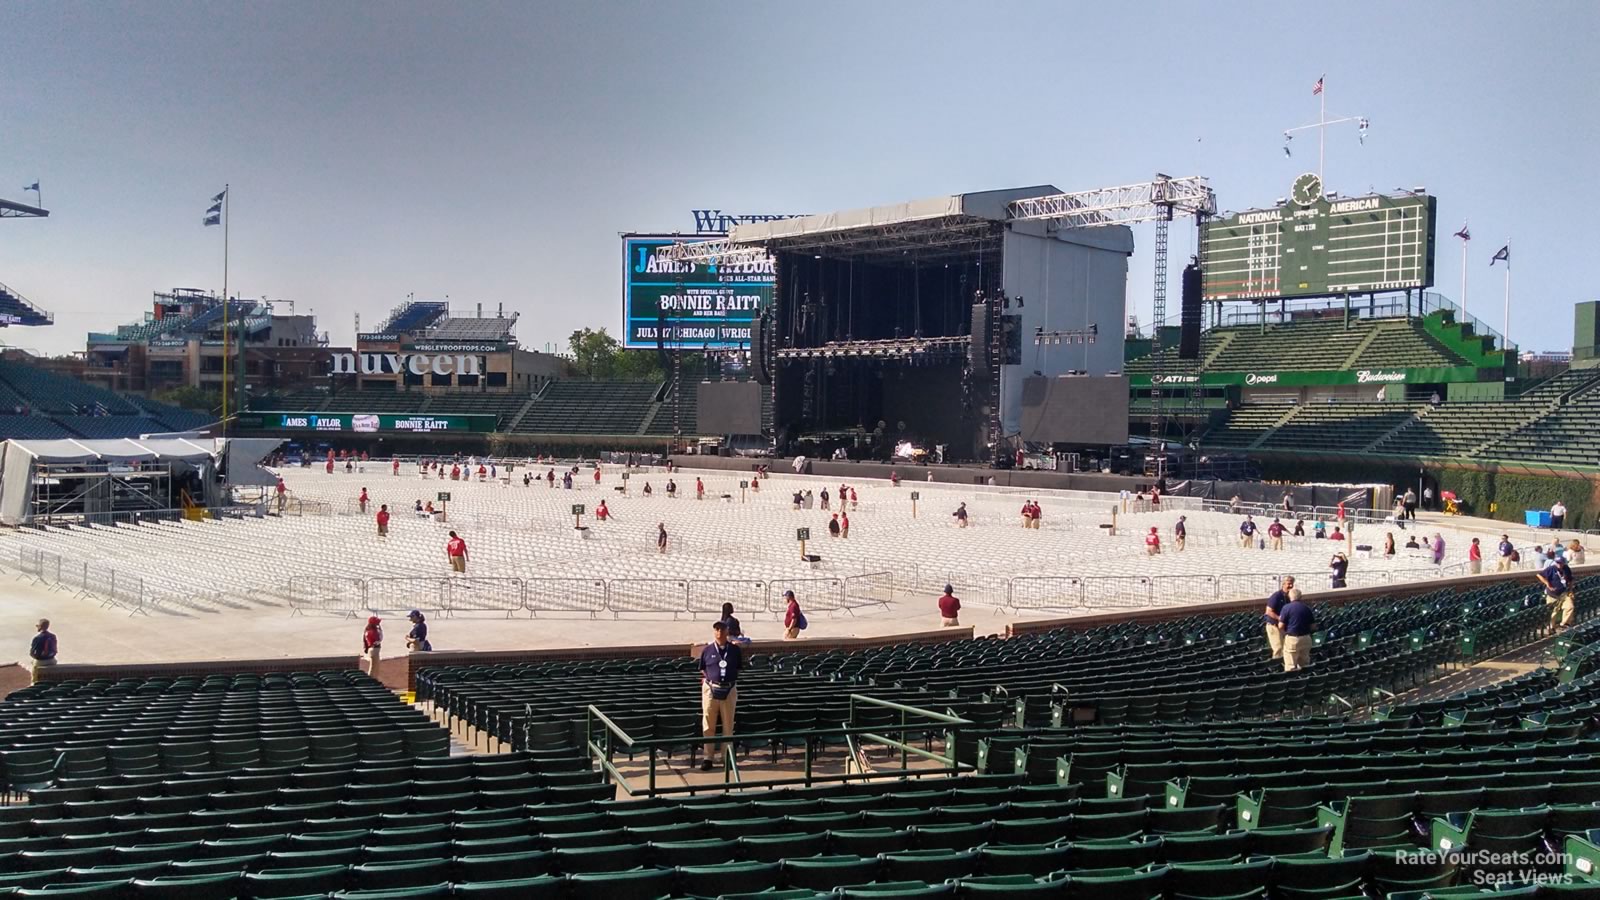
492, 152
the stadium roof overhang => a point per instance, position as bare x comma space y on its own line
931, 230
117, 450
10, 209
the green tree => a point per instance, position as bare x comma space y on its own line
593, 352
196, 398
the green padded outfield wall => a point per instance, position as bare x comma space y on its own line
1585, 330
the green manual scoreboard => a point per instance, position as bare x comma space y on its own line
1317, 245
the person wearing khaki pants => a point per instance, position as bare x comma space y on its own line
1298, 623
720, 662
1272, 616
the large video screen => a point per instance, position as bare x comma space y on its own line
691, 305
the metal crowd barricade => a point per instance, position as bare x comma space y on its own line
1047, 592
869, 588
820, 594
564, 595
1171, 589
467, 594
1131, 592
647, 595
707, 596
393, 594
336, 595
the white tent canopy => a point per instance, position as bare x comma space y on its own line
116, 450
23, 462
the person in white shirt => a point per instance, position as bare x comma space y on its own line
1558, 514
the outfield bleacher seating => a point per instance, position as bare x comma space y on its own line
505, 406
375, 401
1318, 344
107, 427
47, 392
21, 309
458, 328
590, 407
36, 427
1338, 426
413, 315
685, 410
1402, 343
1246, 424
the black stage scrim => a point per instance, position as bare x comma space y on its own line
1075, 409
729, 407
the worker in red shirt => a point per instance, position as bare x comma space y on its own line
601, 513
597, 476
361, 501
699, 489
283, 495
1152, 542
383, 520
455, 472
329, 467
483, 471
854, 500
844, 524
949, 607
456, 550
397, 466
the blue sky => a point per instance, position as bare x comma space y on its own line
492, 152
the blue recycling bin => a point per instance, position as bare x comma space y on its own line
1537, 518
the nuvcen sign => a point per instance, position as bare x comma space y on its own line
396, 363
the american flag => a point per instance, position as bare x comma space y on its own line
1317, 88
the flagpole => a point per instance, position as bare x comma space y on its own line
1464, 274
227, 345
1505, 326
1322, 127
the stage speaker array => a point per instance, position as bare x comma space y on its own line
982, 327
1189, 314
759, 340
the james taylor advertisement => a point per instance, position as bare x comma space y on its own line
699, 304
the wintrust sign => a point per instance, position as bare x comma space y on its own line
395, 363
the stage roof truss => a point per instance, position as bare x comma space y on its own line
1127, 204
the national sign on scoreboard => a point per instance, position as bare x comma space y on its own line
1318, 245
699, 305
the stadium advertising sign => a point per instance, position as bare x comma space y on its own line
1317, 245
376, 337
459, 346
715, 221
395, 363
358, 423
1453, 374
692, 305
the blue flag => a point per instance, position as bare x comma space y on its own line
32, 187
214, 213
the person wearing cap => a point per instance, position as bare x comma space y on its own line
720, 663
794, 621
372, 644
417, 639
1180, 533
949, 607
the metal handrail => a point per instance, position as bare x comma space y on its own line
600, 749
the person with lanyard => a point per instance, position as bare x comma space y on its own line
42, 649
1247, 531
1275, 531
1556, 577
1506, 551
1180, 533
417, 638
1152, 542
1298, 621
1337, 567
1273, 616
720, 663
